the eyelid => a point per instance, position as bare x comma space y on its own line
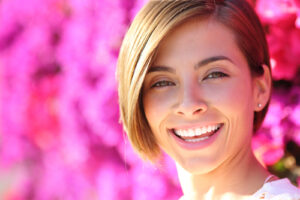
221, 74
162, 81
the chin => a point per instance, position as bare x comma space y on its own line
198, 165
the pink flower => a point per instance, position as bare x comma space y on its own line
275, 10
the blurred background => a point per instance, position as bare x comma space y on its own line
59, 132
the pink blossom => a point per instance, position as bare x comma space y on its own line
60, 131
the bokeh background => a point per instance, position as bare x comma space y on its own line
60, 138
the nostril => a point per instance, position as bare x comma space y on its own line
191, 109
193, 113
197, 111
181, 113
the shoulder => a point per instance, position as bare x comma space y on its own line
279, 189
182, 198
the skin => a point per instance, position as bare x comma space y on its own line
186, 88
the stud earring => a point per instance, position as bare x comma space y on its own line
259, 105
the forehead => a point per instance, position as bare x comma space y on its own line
200, 38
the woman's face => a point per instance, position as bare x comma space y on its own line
198, 96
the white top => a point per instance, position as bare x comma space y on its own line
277, 190
280, 189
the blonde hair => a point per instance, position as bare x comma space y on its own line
150, 26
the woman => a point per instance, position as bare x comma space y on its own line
195, 81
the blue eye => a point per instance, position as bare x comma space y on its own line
163, 83
215, 75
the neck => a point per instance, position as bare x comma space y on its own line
247, 178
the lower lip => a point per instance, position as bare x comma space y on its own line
196, 145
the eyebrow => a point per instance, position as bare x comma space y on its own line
161, 68
201, 63
210, 60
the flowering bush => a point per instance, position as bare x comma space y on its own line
59, 134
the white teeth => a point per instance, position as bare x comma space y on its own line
185, 133
209, 129
196, 131
197, 139
191, 132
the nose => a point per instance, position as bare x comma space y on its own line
191, 103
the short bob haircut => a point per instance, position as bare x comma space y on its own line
139, 47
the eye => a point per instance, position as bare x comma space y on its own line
215, 75
162, 83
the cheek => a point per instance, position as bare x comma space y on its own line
157, 106
231, 96
234, 101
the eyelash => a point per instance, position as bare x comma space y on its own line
165, 83
215, 75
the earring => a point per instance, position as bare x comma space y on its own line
259, 105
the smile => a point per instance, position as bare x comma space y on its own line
197, 134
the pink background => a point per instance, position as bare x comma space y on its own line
59, 131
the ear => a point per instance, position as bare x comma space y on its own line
262, 89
